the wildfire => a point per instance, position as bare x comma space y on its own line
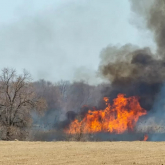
145, 137
116, 118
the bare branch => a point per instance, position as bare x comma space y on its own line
17, 99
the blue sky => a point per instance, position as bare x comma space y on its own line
62, 39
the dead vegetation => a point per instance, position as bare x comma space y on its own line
82, 153
17, 101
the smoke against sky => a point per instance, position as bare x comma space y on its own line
121, 41
55, 39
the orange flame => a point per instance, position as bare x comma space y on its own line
145, 138
116, 118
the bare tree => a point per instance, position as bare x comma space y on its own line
17, 101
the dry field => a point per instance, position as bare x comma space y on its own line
81, 153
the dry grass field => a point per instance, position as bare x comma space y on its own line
81, 153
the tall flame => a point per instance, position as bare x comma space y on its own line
145, 137
116, 118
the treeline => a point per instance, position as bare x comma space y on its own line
28, 108
65, 100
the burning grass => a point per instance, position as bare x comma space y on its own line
117, 118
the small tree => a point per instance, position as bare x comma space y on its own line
17, 101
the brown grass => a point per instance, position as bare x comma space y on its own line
82, 153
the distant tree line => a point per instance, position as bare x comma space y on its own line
25, 103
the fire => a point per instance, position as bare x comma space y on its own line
145, 138
116, 118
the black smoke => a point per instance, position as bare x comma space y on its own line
138, 71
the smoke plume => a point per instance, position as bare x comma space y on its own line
138, 71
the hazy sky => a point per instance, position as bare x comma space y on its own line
62, 39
